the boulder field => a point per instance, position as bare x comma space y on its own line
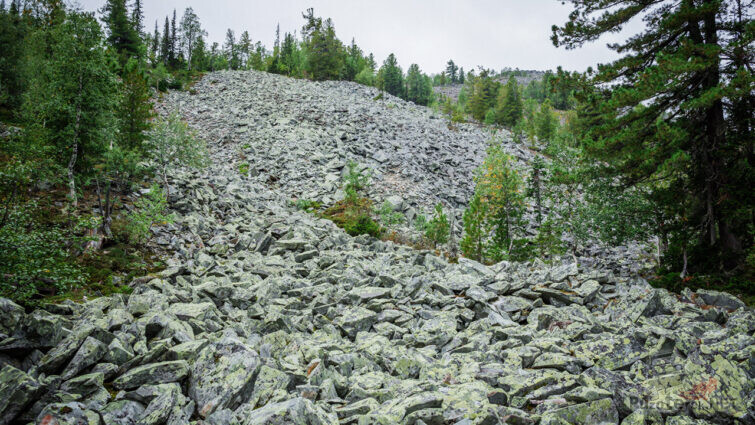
268, 315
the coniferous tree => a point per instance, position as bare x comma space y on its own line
245, 49
461, 75
509, 109
483, 96
325, 59
135, 109
672, 116
137, 17
165, 44
392, 76
173, 41
122, 34
155, 48
500, 188
546, 123
418, 86
191, 30
354, 62
230, 50
452, 71
473, 242
535, 188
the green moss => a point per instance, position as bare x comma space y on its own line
353, 215
244, 168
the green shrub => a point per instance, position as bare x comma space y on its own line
362, 224
490, 117
244, 168
149, 210
171, 143
437, 229
37, 256
354, 217
307, 205
355, 181
387, 216
420, 223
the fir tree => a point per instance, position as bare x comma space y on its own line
165, 44
451, 71
509, 110
122, 34
392, 76
473, 242
173, 41
679, 112
135, 108
229, 49
137, 17
155, 44
326, 55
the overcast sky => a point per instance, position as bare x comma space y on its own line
492, 33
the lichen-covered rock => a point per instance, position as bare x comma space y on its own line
68, 414
267, 314
152, 374
297, 411
11, 315
18, 390
600, 412
223, 376
90, 352
122, 412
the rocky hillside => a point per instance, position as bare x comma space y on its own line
452, 90
298, 135
268, 315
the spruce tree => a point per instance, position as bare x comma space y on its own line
546, 123
173, 42
451, 71
135, 109
326, 53
678, 117
392, 76
137, 17
509, 109
122, 34
229, 49
483, 96
461, 75
165, 44
155, 48
245, 49
473, 242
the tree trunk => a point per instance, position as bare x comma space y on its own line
75, 149
683, 274
714, 171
